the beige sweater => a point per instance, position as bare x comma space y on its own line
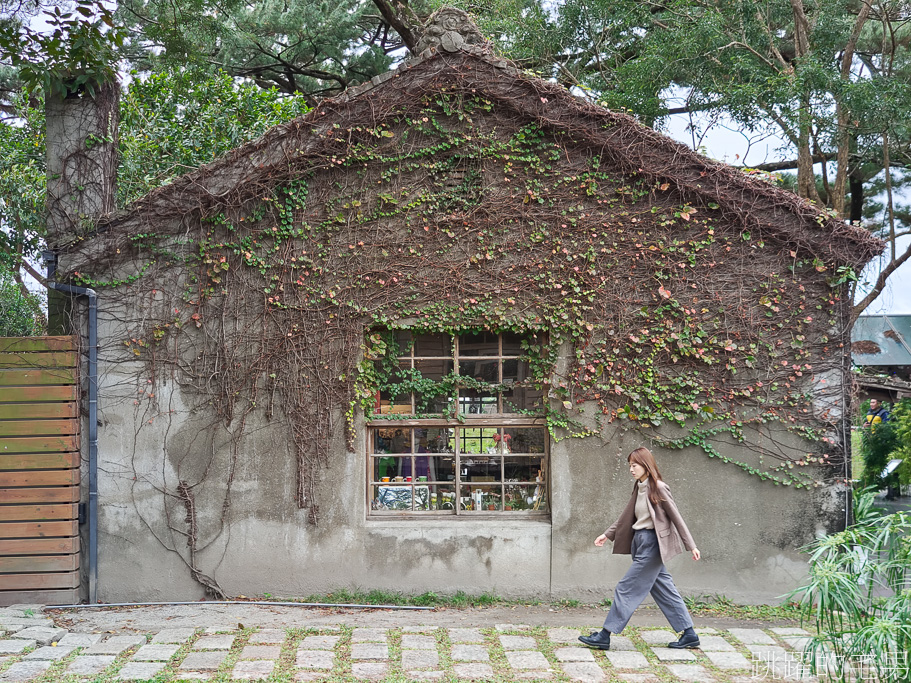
643, 517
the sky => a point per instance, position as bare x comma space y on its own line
722, 140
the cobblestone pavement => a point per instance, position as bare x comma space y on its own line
33, 648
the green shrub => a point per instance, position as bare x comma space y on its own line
859, 597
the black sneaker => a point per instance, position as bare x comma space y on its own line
688, 640
600, 640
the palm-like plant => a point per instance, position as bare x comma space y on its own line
859, 597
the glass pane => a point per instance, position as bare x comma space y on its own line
527, 439
526, 469
433, 345
391, 497
481, 370
427, 468
480, 344
512, 344
434, 439
481, 498
433, 401
477, 440
523, 399
515, 371
483, 469
404, 340
442, 497
392, 440
473, 402
525, 497
396, 399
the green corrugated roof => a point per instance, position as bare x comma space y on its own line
881, 340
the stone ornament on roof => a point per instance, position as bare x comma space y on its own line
450, 29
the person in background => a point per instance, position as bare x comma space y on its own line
877, 414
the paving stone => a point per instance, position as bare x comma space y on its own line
89, 665
667, 654
369, 671
706, 631
419, 629
563, 635
426, 675
622, 644
173, 636
473, 672
752, 636
512, 627
41, 634
25, 671
80, 639
690, 672
518, 643
319, 642
261, 652
139, 671
274, 636
658, 637
531, 675
574, 654
254, 670
523, 659
203, 661
466, 635
369, 651
32, 609
212, 630
587, 672
715, 644
310, 676
641, 678
193, 676
115, 645
155, 653
368, 635
790, 631
767, 652
413, 642
729, 660
223, 642
17, 623
50, 654
14, 647
469, 653
626, 660
315, 659
420, 659
798, 642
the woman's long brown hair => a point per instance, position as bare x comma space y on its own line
644, 457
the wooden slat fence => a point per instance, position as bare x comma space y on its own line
39, 470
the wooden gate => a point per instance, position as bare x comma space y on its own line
39, 470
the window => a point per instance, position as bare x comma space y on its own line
463, 432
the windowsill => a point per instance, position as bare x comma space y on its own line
430, 518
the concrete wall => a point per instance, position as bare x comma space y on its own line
252, 539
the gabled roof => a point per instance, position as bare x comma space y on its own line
622, 142
883, 340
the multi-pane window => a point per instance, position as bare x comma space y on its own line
467, 437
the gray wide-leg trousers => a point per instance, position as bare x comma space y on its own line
647, 575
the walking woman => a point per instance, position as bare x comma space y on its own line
652, 531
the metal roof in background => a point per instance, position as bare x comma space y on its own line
881, 340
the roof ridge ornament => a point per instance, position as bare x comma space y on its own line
450, 29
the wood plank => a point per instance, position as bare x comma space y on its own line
40, 478
14, 344
38, 513
39, 546
40, 581
36, 427
38, 461
57, 494
37, 394
53, 359
38, 563
38, 529
42, 411
36, 377
70, 596
38, 444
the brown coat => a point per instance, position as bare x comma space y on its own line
673, 536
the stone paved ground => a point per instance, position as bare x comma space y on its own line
33, 649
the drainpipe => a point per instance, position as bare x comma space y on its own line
50, 259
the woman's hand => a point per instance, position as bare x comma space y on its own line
696, 554
600, 540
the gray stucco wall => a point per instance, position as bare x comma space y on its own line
252, 538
